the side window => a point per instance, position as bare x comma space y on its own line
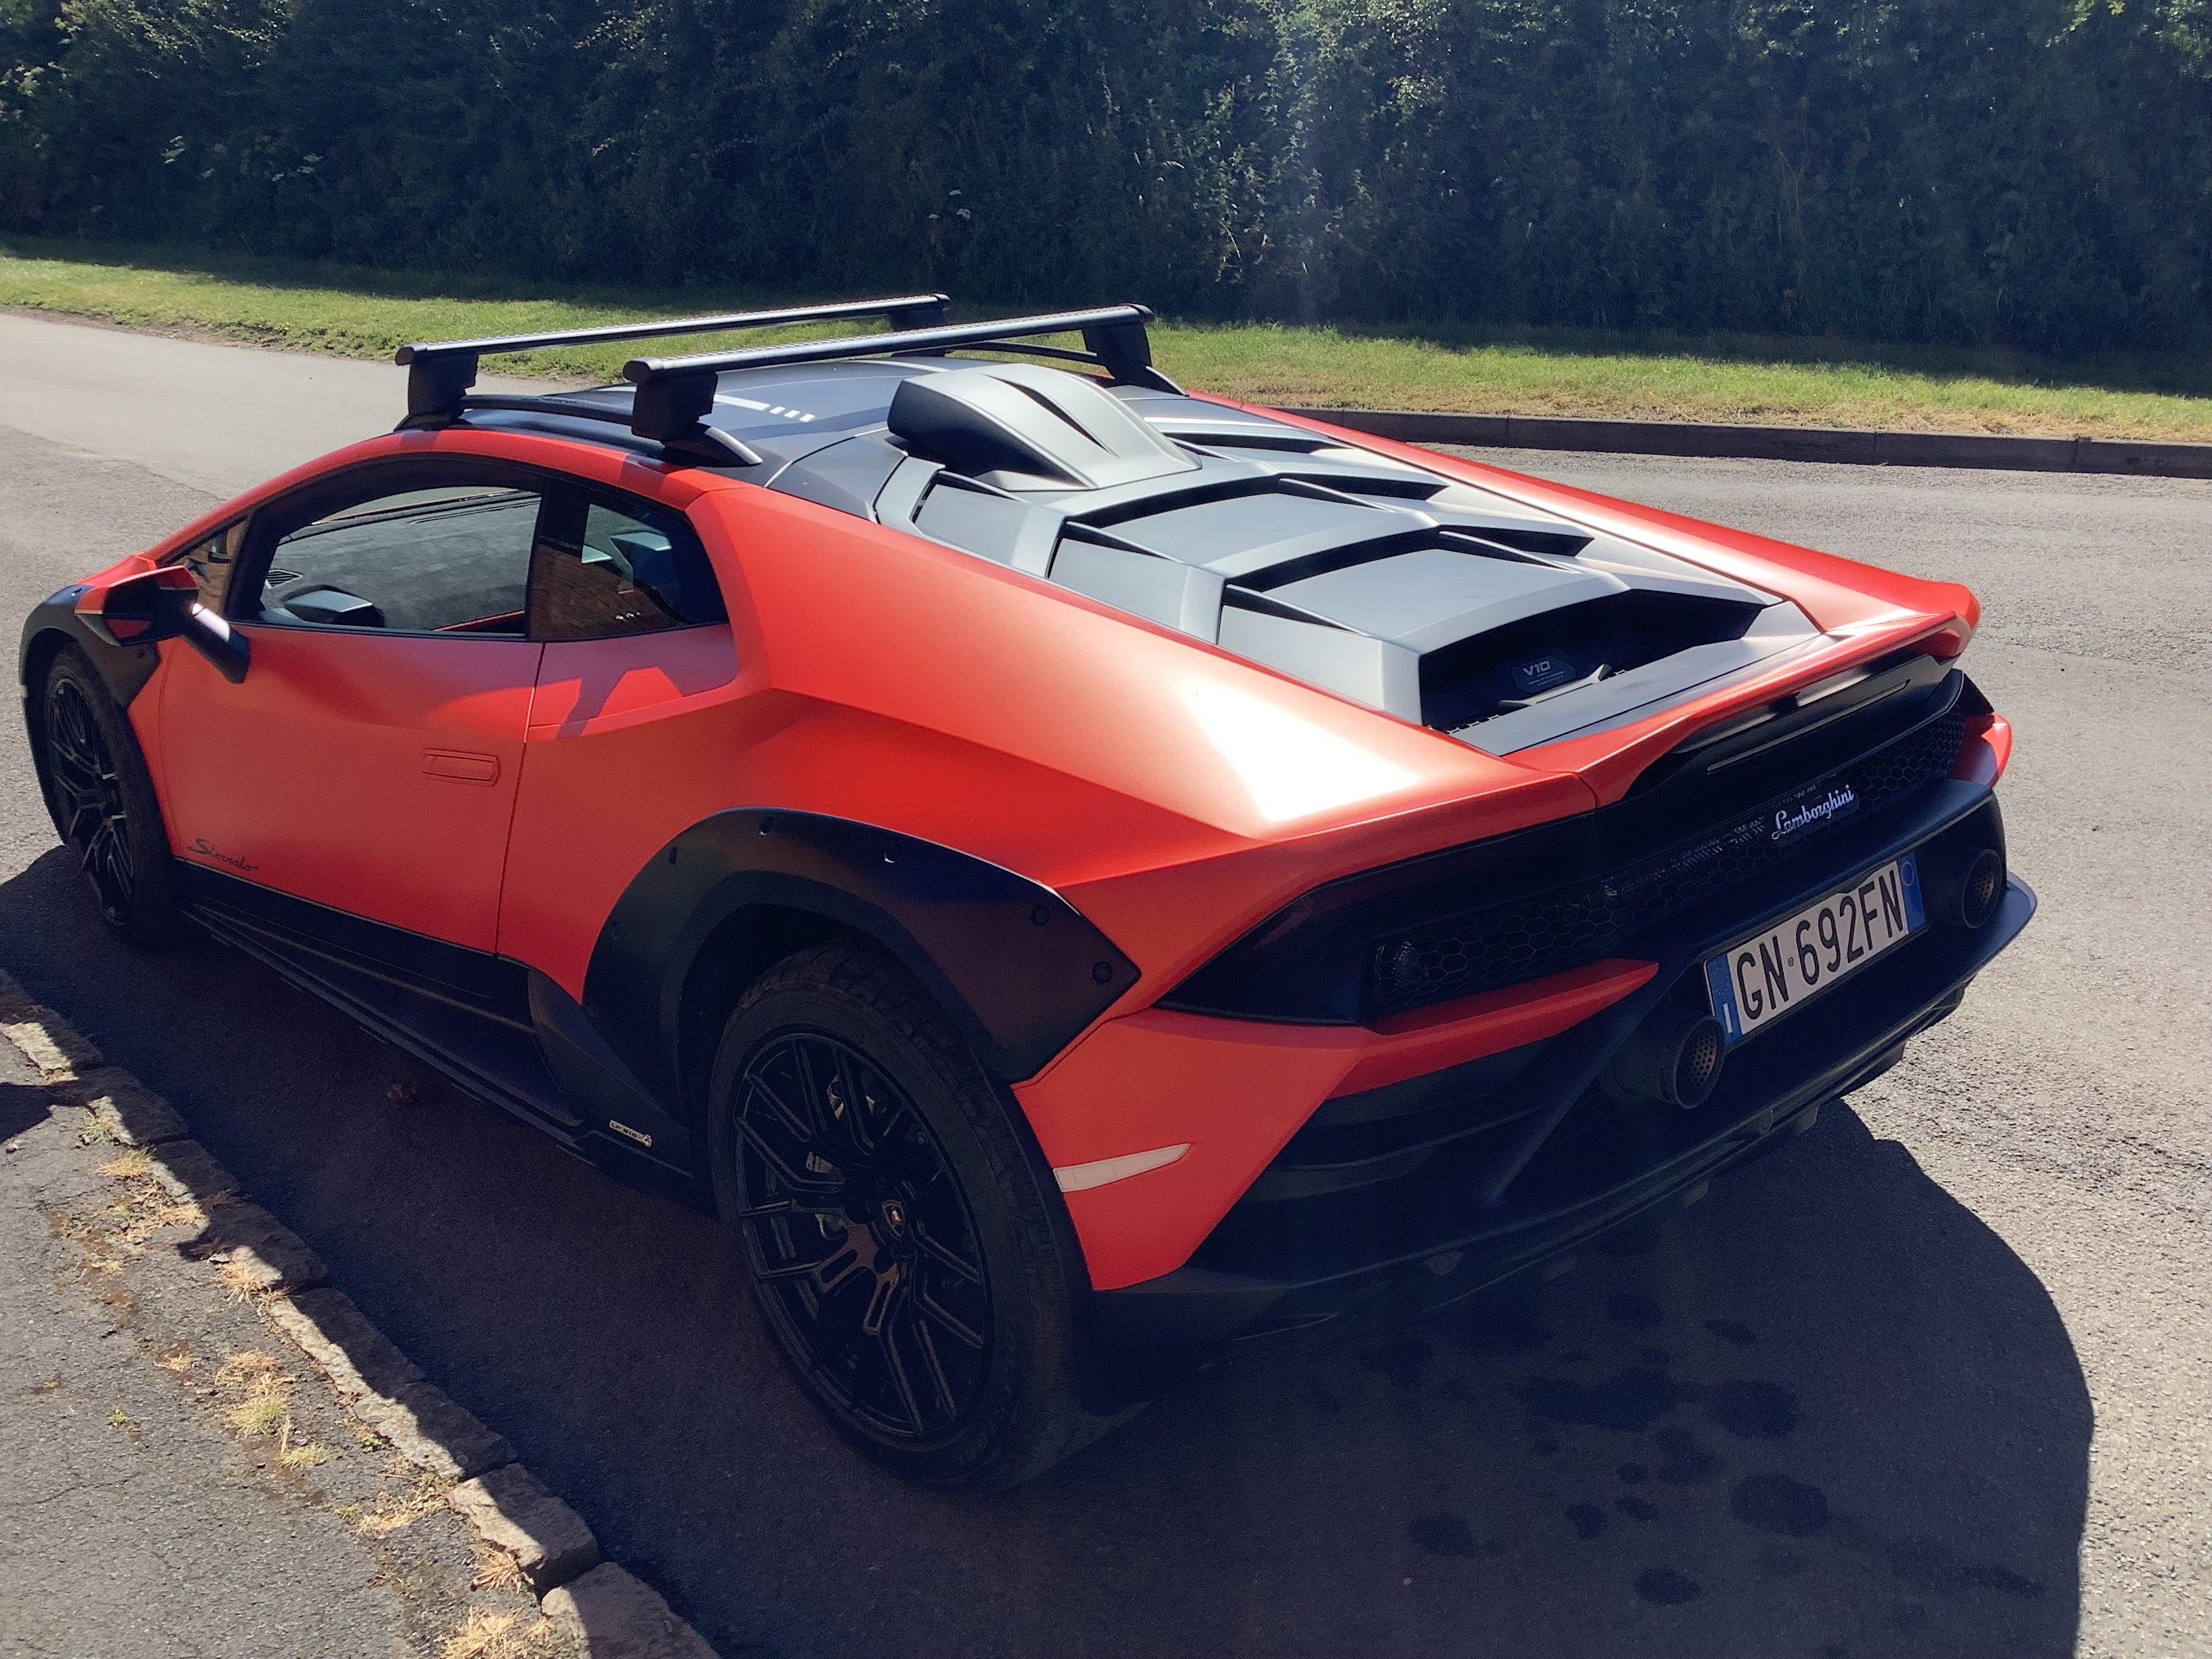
211, 562
601, 572
450, 559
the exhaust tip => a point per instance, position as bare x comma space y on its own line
1674, 1056
1981, 887
1698, 1063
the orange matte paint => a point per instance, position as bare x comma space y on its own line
319, 774
1237, 1089
1174, 793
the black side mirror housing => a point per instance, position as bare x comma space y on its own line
163, 604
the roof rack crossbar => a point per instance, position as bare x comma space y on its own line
1114, 338
439, 373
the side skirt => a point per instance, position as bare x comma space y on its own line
504, 1032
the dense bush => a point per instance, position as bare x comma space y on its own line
2034, 172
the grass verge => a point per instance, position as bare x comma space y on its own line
356, 313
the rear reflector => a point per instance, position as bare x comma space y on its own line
1987, 749
1082, 1177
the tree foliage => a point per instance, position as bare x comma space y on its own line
2031, 172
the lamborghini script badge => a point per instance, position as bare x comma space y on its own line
1807, 810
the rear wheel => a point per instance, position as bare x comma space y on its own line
103, 802
892, 1226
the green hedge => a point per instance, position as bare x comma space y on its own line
2035, 172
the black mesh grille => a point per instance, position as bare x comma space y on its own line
1547, 931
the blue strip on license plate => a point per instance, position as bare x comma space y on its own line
1759, 979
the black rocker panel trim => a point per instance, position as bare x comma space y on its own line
503, 1031
1016, 966
489, 986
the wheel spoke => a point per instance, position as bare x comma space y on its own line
78, 749
790, 1205
811, 1086
843, 1266
880, 1298
114, 875
933, 1360
759, 1087
776, 1160
77, 830
897, 1367
827, 1272
829, 1143
855, 1099
937, 1252
960, 1329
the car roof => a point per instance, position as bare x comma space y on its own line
1423, 596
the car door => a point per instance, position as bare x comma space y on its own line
631, 736
369, 758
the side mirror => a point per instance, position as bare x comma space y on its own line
163, 604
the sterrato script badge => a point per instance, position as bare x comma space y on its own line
1805, 811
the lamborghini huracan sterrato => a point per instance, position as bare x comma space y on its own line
1083, 878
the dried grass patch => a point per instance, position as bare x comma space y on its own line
390, 1510
500, 1636
496, 1570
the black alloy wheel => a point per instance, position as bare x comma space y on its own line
103, 801
90, 802
897, 1224
861, 1236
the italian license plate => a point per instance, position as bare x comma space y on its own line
1765, 976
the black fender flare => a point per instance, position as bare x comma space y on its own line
123, 669
1019, 969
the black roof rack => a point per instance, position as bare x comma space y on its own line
439, 373
1114, 338
675, 394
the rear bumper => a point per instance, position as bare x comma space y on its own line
1564, 1162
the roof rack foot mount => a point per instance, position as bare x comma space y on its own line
674, 413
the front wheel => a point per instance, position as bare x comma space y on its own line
891, 1221
103, 802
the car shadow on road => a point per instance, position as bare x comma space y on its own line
1828, 1412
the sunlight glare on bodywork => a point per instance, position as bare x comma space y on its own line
1291, 767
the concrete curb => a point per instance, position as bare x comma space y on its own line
612, 1614
1844, 446
622, 1619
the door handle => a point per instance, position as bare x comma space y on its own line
460, 765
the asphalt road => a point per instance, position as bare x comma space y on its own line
1934, 1381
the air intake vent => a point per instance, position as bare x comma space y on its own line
1016, 425
1507, 669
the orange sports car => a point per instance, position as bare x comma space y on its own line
1082, 877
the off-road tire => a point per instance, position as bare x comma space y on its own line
102, 801
1025, 1413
